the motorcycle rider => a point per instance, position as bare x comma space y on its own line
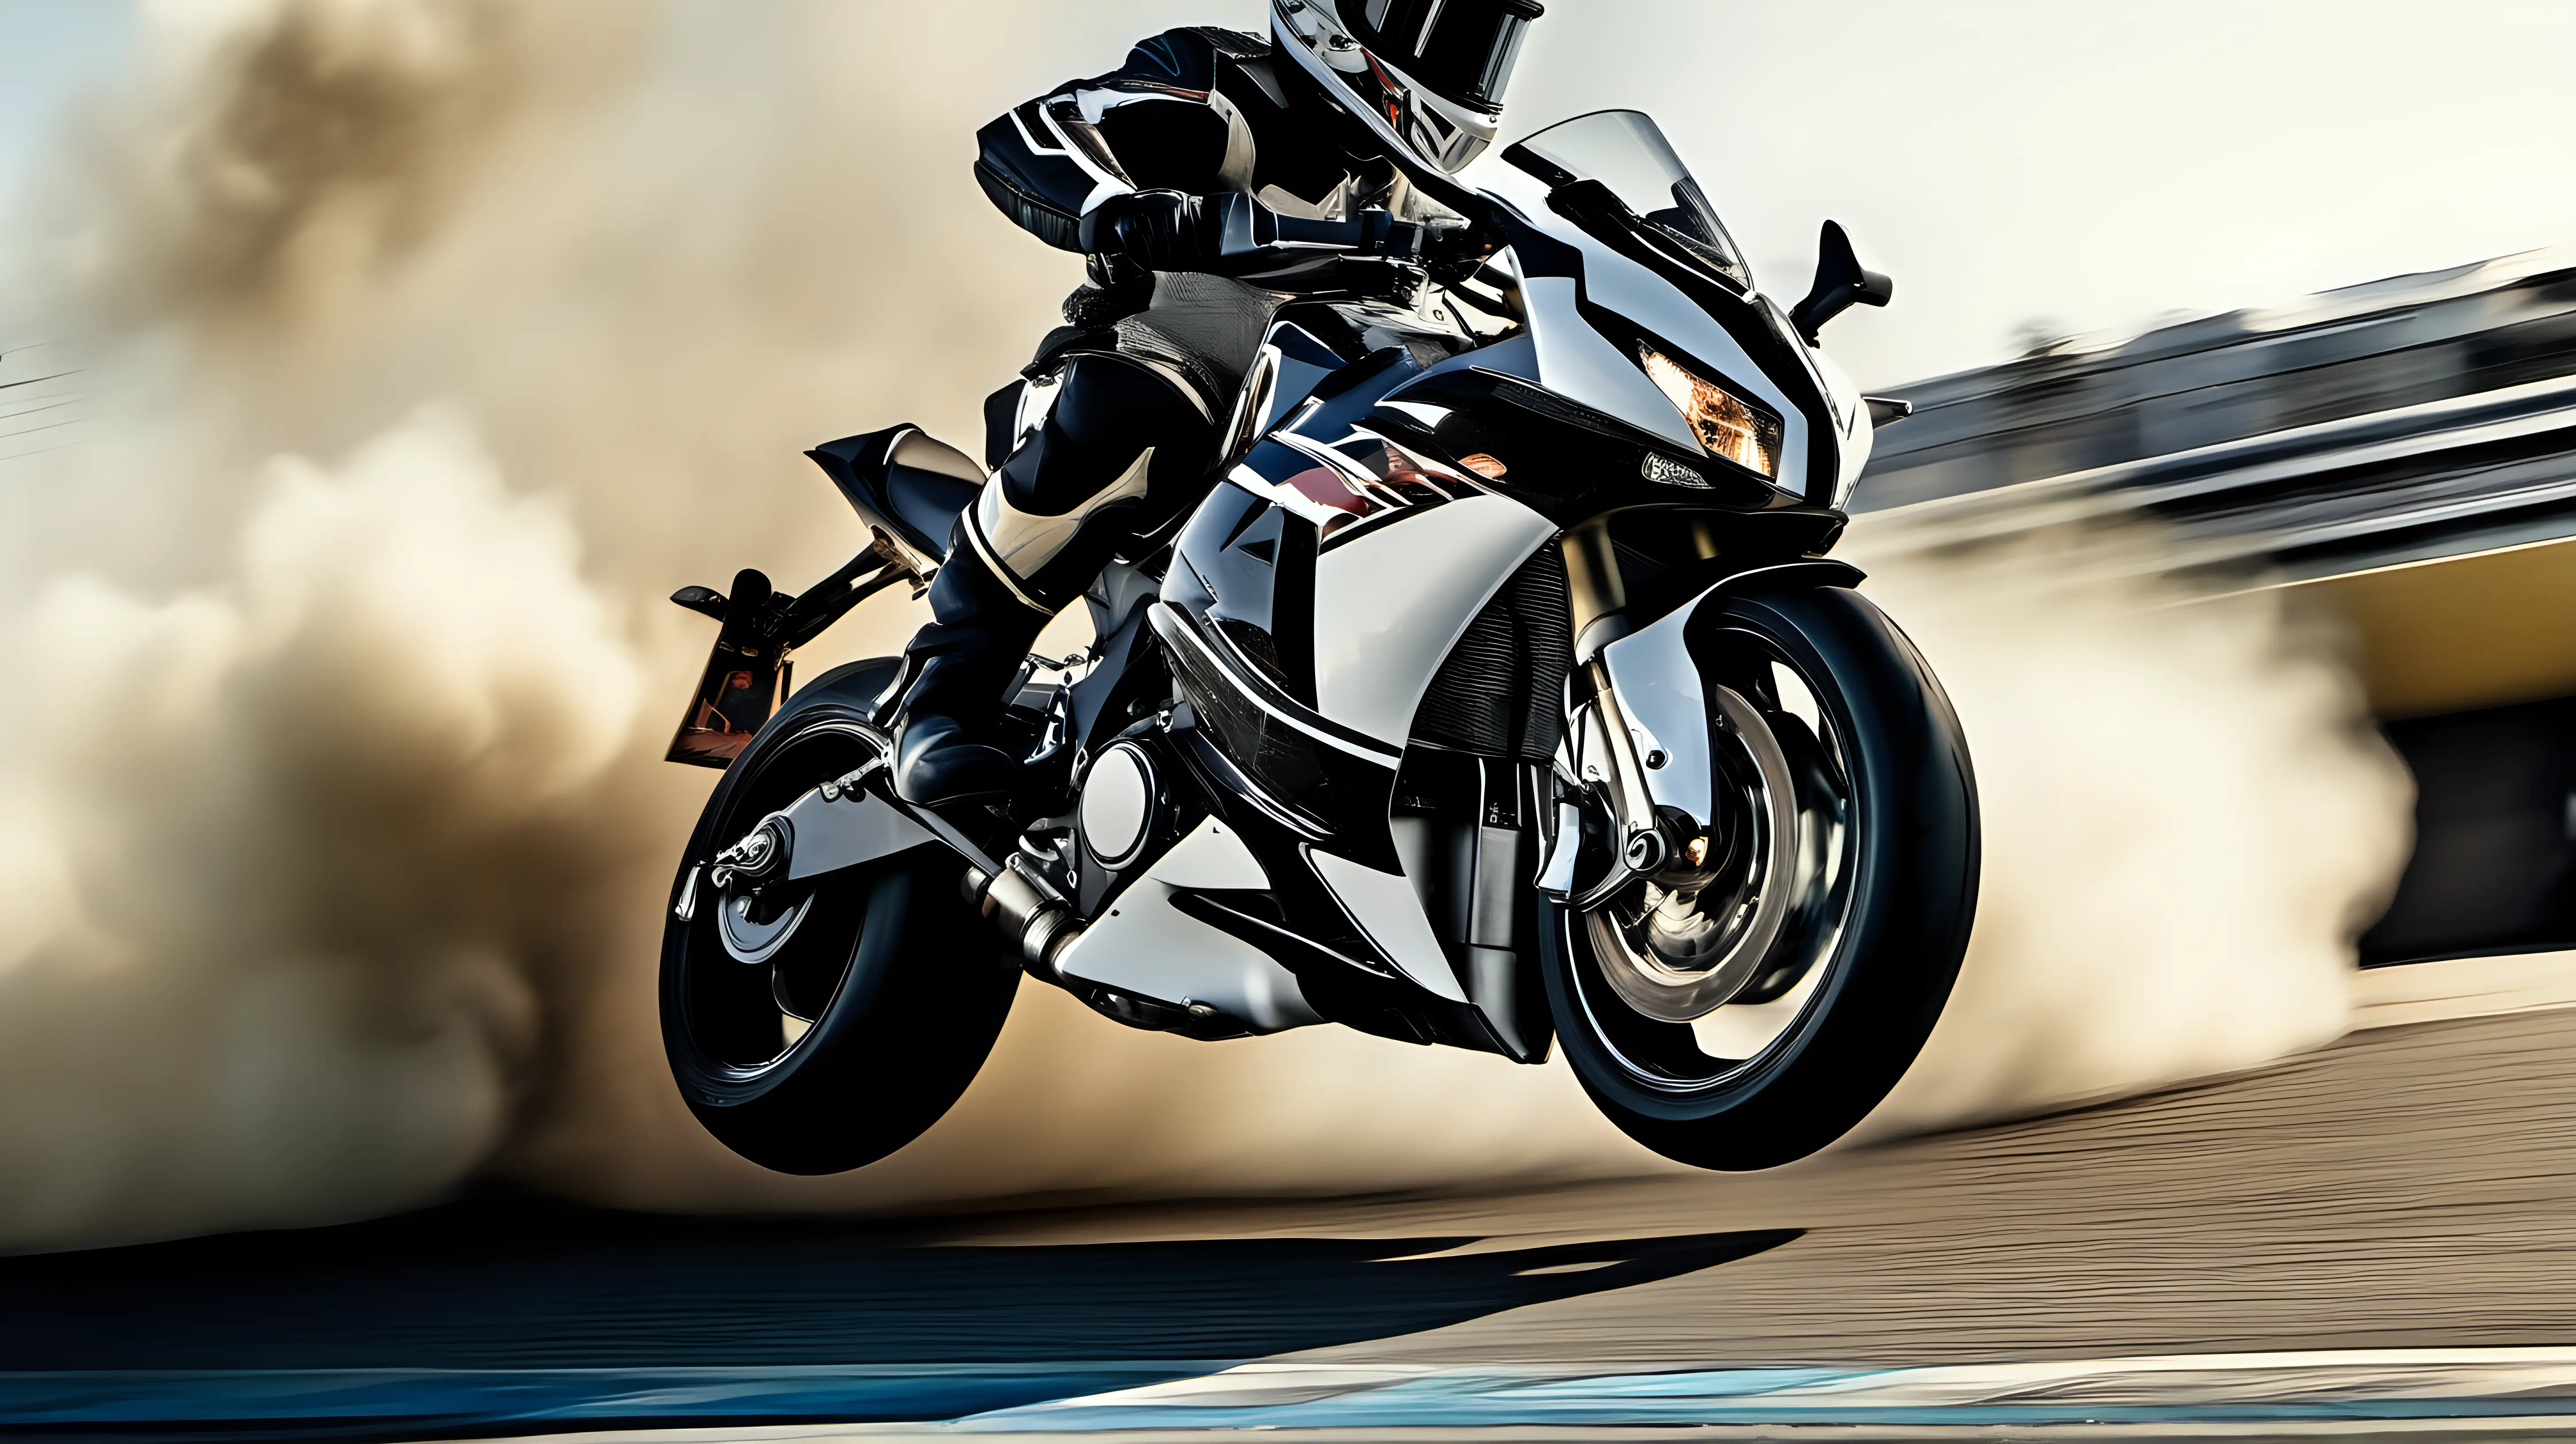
1122, 168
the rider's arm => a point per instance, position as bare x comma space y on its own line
1146, 126
1145, 169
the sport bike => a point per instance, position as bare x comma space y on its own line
1500, 695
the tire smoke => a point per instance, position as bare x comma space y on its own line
334, 834
2188, 819
283, 850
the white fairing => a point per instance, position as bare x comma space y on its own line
1145, 946
1659, 694
1576, 362
1853, 432
928, 452
1858, 433
1389, 910
1390, 603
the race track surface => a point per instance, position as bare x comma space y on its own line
2410, 1188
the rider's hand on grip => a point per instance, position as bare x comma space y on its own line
1158, 230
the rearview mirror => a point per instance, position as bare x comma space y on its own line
1841, 283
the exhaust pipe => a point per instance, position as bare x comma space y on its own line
1027, 912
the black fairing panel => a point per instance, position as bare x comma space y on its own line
1324, 784
1304, 362
1346, 399
1105, 700
1571, 464
916, 506
1243, 583
1301, 924
1742, 319
1245, 570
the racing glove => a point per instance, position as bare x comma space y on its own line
1158, 230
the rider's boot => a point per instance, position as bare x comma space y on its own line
968, 654
1053, 513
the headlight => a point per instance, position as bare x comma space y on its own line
1727, 424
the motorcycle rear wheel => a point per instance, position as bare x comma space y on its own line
1886, 862
871, 1010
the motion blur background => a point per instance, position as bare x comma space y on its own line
369, 370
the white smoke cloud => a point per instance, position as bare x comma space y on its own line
2188, 819
265, 944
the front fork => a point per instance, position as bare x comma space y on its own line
1600, 735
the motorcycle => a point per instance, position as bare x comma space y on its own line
1500, 695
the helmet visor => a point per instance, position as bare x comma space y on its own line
1461, 50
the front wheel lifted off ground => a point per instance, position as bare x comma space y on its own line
1855, 845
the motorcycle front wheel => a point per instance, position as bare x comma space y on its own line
817, 1028
1753, 1009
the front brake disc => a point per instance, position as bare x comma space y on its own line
1676, 946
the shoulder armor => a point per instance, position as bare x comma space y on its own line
1178, 59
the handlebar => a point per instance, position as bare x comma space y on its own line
1246, 230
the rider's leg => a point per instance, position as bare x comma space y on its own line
1122, 449
968, 654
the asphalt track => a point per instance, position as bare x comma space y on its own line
2408, 1187
2411, 1190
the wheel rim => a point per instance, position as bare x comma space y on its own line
1677, 945
1775, 908
765, 959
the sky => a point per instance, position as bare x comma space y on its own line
50, 51
2082, 168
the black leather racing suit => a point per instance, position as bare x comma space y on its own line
1149, 362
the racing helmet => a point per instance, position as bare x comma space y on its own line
1426, 76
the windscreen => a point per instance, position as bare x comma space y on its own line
1628, 155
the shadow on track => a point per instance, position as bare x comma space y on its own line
543, 1293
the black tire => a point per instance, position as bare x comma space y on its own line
905, 987
1881, 968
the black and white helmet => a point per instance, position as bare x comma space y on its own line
1426, 75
